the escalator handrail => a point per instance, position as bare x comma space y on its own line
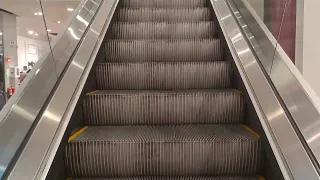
39, 151
21, 111
291, 154
296, 94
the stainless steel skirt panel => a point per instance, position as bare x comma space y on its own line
163, 14
115, 107
164, 30
191, 50
170, 75
193, 150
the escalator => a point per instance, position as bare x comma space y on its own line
164, 106
155, 90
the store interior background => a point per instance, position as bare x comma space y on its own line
27, 27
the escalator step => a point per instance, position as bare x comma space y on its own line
181, 50
164, 30
164, 75
205, 106
163, 14
176, 178
190, 150
164, 3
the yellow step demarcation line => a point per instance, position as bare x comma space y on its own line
68, 178
251, 131
77, 133
236, 90
92, 92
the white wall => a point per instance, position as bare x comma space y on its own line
25, 55
308, 50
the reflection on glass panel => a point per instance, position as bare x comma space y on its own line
57, 13
24, 41
259, 7
280, 18
2, 89
287, 29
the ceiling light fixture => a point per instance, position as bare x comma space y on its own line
38, 13
49, 30
0, 33
30, 32
58, 22
70, 9
36, 34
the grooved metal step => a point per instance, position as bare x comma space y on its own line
164, 75
193, 150
205, 106
163, 50
176, 178
163, 14
164, 30
164, 3
163, 110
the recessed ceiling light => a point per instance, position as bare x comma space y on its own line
49, 30
0, 33
38, 13
70, 9
36, 34
58, 22
30, 32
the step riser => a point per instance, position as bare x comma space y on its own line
164, 75
174, 178
95, 159
163, 50
164, 108
164, 30
163, 3
171, 15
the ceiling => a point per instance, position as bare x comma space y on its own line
53, 11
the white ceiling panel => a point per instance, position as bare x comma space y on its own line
54, 11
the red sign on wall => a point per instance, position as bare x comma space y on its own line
7, 59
